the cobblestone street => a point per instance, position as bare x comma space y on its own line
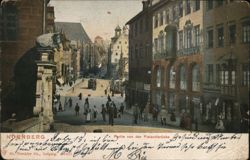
67, 121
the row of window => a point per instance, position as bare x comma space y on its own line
226, 75
182, 78
8, 23
175, 12
139, 51
185, 5
139, 27
216, 3
188, 38
191, 37
232, 34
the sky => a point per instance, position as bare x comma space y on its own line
98, 17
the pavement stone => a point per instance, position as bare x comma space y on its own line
97, 98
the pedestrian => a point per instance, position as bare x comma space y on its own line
103, 112
85, 109
135, 113
54, 110
172, 117
88, 118
122, 108
105, 91
109, 99
77, 108
59, 97
107, 106
60, 107
70, 102
182, 122
87, 100
115, 110
80, 96
111, 114
65, 103
155, 112
146, 111
244, 126
220, 125
141, 111
188, 122
94, 113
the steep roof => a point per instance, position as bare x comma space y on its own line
73, 31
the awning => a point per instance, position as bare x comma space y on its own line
60, 81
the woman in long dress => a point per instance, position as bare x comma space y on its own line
88, 118
220, 125
94, 114
85, 110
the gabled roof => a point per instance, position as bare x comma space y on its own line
73, 31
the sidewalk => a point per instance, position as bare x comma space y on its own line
176, 124
66, 88
63, 90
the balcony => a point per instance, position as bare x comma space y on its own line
164, 55
172, 84
228, 90
188, 51
183, 85
195, 86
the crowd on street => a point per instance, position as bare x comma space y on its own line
109, 110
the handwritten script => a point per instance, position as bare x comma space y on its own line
113, 146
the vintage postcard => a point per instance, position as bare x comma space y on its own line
124, 79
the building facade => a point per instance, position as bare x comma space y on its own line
50, 22
78, 38
119, 54
226, 61
177, 57
201, 60
20, 23
140, 56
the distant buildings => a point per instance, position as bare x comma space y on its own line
78, 38
140, 56
95, 56
119, 54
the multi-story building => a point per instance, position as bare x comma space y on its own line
50, 21
119, 52
20, 23
75, 33
140, 56
177, 56
226, 61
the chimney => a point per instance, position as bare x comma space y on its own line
144, 4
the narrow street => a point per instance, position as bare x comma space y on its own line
68, 119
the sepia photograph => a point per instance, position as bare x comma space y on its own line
131, 70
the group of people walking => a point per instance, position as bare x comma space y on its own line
90, 113
61, 107
112, 111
